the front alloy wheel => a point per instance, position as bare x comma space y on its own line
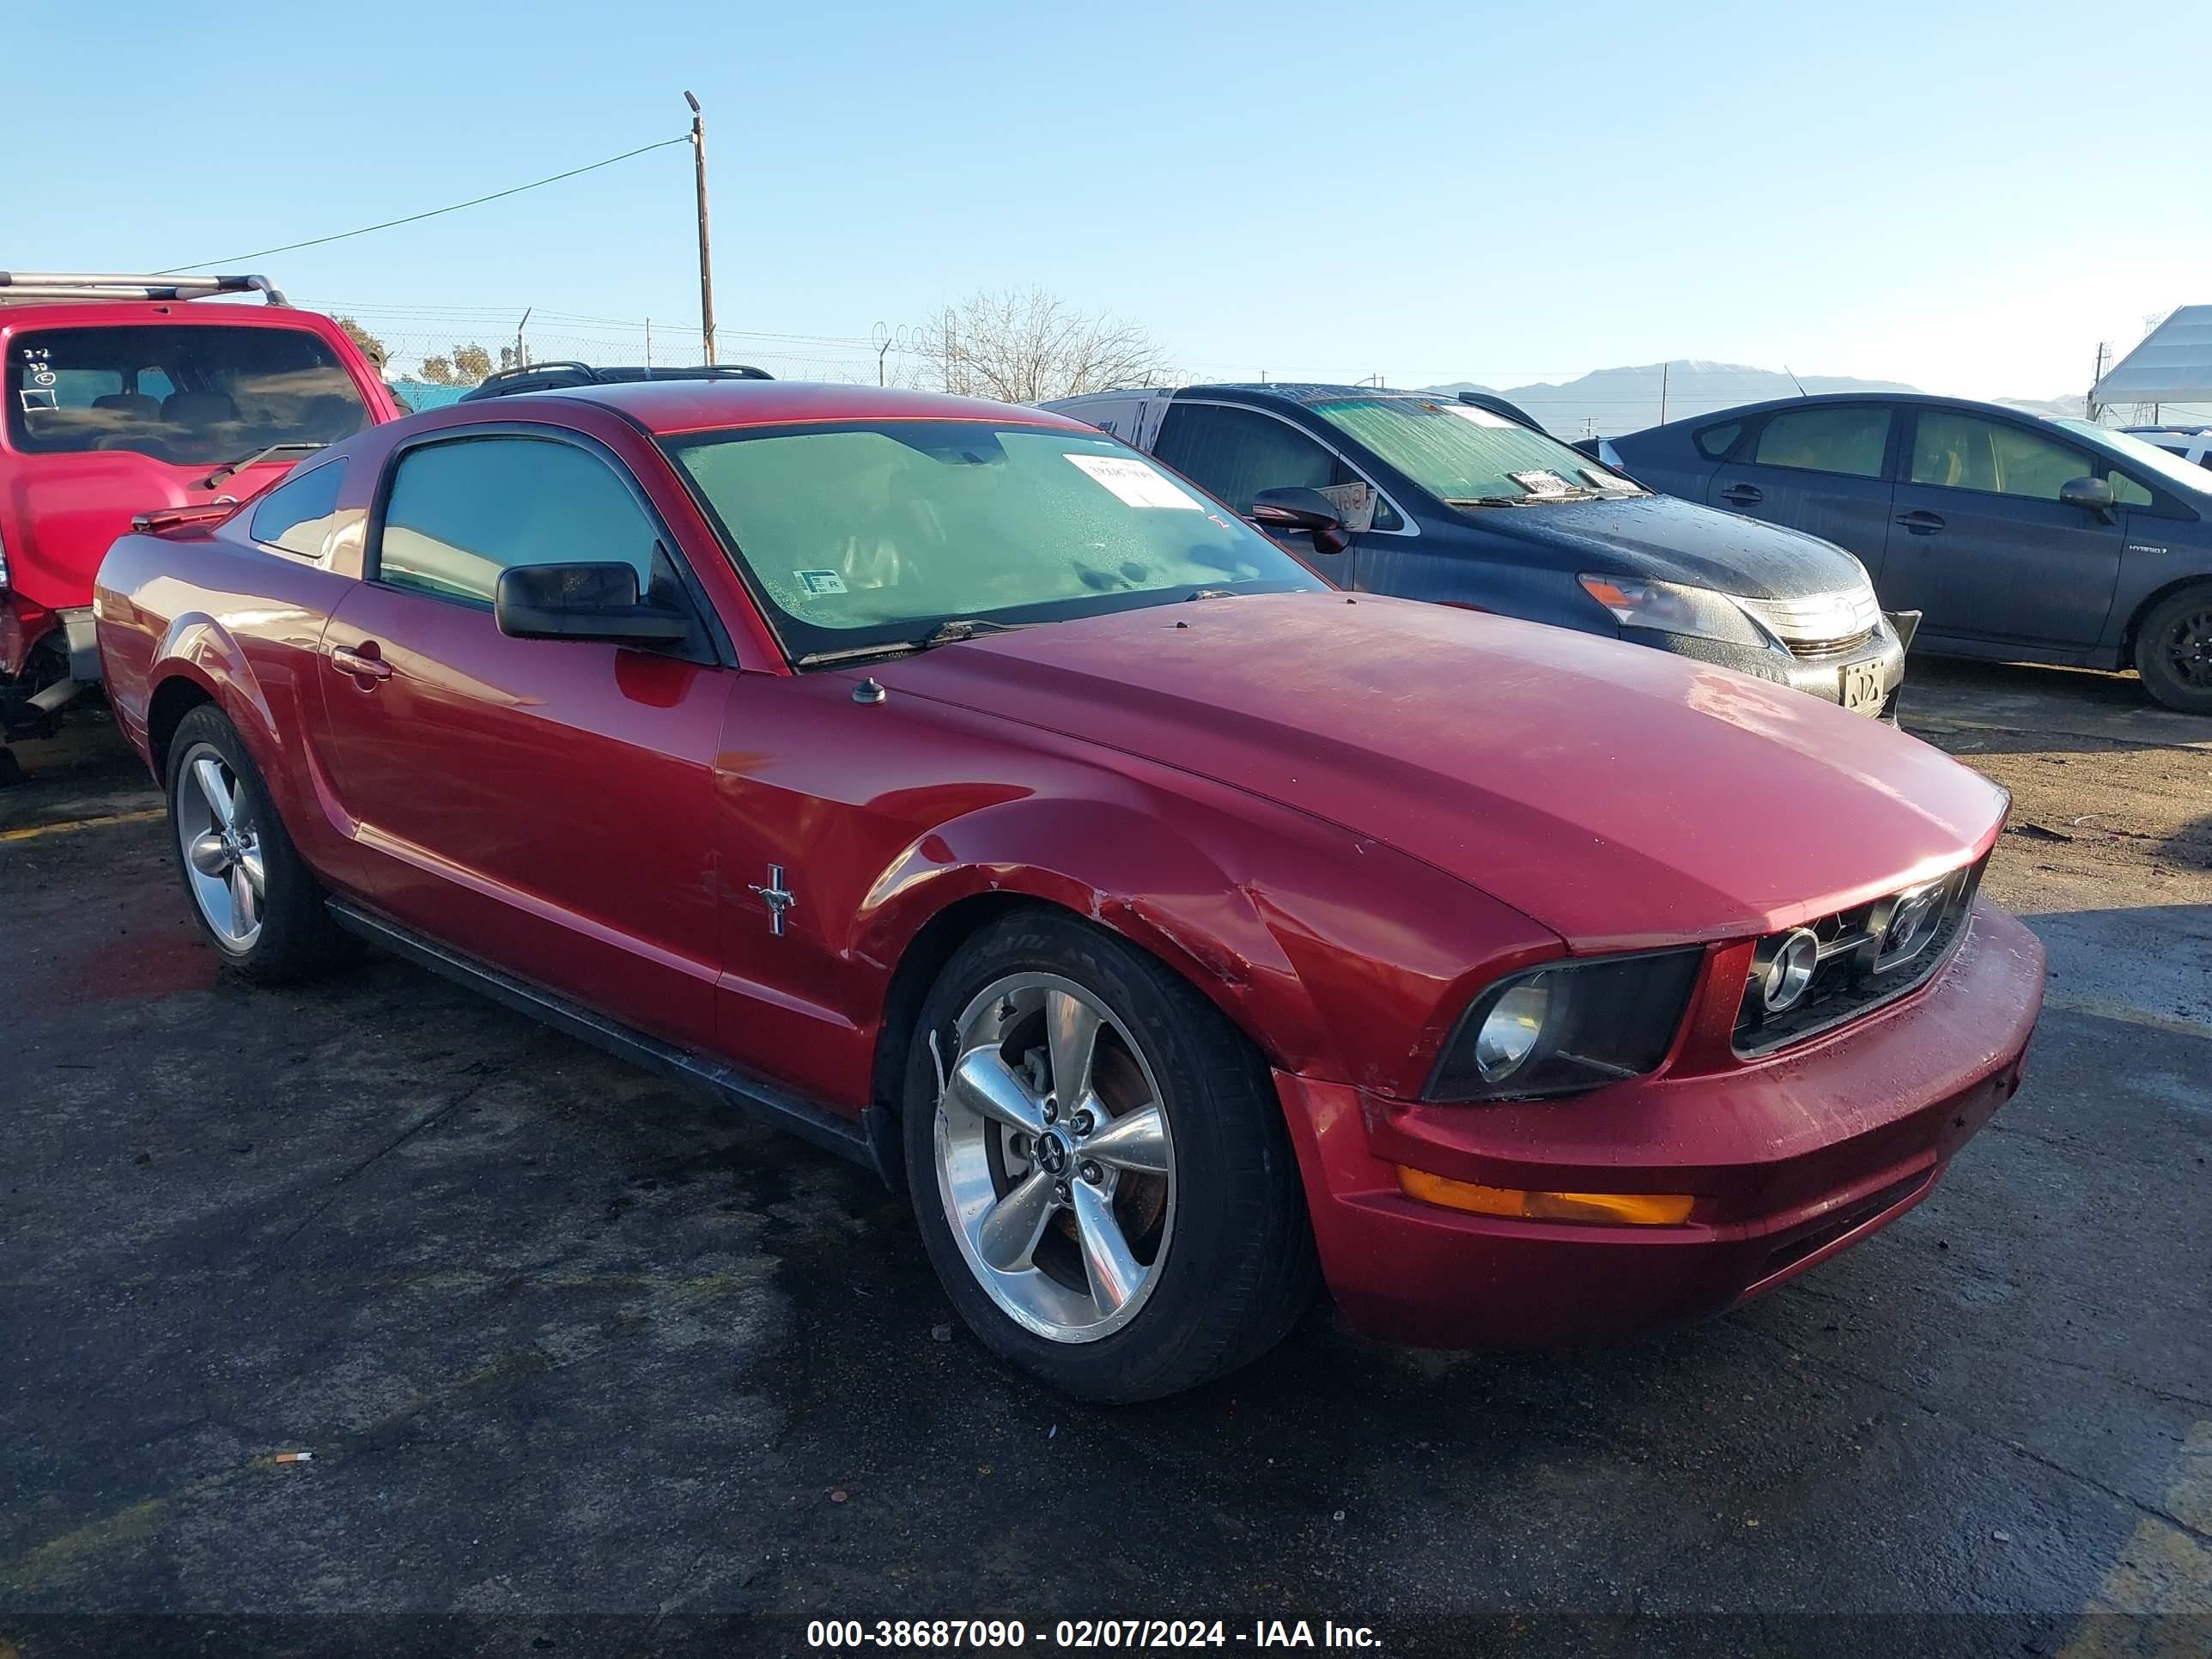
1099, 1164
1054, 1162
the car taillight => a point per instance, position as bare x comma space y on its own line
3, 564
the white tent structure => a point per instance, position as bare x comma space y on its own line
2174, 365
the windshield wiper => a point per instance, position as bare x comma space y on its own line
964, 628
243, 462
1525, 501
946, 633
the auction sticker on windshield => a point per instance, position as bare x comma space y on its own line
1541, 481
1479, 416
1133, 481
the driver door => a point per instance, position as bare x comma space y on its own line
544, 805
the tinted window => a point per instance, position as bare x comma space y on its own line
1965, 452
1237, 452
1850, 440
296, 515
460, 513
185, 394
1715, 441
2128, 493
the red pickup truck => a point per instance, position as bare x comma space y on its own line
129, 396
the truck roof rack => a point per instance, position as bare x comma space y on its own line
551, 376
97, 285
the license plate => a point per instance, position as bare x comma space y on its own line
1863, 687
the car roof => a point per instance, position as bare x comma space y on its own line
1924, 399
1311, 391
664, 407
97, 313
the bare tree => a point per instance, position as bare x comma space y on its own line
1024, 348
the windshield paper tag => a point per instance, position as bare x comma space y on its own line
819, 581
1478, 415
1134, 482
1542, 482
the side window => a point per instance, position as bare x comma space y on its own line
460, 513
1850, 440
1965, 452
1239, 452
2127, 492
1715, 441
296, 515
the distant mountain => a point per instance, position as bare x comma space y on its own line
1609, 401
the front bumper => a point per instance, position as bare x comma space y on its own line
1820, 677
1792, 1159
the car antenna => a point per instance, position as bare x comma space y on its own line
1794, 380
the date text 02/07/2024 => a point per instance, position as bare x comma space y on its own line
1087, 1634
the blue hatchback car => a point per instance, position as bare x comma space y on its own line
2016, 536
1456, 500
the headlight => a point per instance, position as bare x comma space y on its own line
1674, 608
1566, 1027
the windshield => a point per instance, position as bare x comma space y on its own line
862, 534
188, 394
1459, 452
2148, 457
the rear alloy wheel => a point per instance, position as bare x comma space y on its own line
2173, 650
1099, 1165
259, 905
220, 842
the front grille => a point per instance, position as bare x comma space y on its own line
1861, 966
1823, 624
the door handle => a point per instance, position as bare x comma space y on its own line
1743, 495
1921, 522
366, 663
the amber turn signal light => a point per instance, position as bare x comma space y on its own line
1632, 1209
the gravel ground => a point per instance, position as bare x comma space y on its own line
585, 1365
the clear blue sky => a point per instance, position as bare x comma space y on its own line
1965, 197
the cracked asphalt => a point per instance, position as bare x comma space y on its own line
585, 1365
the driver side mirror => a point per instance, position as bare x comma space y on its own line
582, 602
2090, 495
1301, 508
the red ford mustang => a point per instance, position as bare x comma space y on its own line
980, 800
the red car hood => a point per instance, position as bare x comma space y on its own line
1619, 795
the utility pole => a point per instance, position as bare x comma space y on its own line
2089, 402
648, 342
521, 342
705, 253
1665, 369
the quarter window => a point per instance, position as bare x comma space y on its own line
1715, 441
296, 515
1239, 452
1851, 440
1965, 452
460, 513
2128, 493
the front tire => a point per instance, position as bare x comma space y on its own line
1103, 1181
2173, 650
258, 905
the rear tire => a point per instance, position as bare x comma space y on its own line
1140, 1237
2173, 650
258, 905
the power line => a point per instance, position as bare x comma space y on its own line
412, 218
